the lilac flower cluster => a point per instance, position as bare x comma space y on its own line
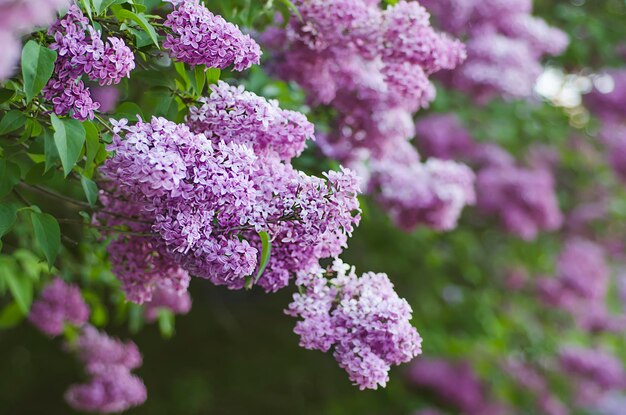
414, 193
58, 304
580, 286
505, 45
112, 387
198, 37
597, 370
454, 383
17, 18
81, 51
524, 199
362, 319
205, 190
371, 65
443, 136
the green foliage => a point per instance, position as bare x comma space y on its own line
47, 234
37, 67
69, 137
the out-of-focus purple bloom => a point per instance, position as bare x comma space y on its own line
597, 366
106, 96
198, 37
609, 105
58, 304
523, 199
454, 383
443, 136
362, 319
169, 299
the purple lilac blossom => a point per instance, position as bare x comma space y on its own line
413, 193
106, 96
81, 51
455, 383
609, 105
523, 199
597, 366
443, 136
168, 299
58, 304
205, 189
108, 361
198, 37
362, 319
505, 44
19, 17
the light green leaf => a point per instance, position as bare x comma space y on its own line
8, 216
91, 190
12, 121
200, 76
166, 322
37, 67
11, 315
213, 75
47, 234
141, 20
266, 252
21, 288
69, 137
87, 5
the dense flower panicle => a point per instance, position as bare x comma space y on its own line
504, 48
112, 391
198, 37
523, 199
583, 269
108, 361
98, 352
414, 193
455, 383
366, 62
168, 299
58, 304
594, 365
206, 189
443, 136
18, 17
232, 114
362, 319
81, 51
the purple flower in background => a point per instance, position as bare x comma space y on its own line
108, 361
454, 383
597, 366
523, 199
362, 319
609, 101
58, 304
115, 390
107, 97
443, 136
168, 299
199, 37
582, 268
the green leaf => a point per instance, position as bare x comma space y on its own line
21, 288
141, 20
6, 94
91, 190
38, 174
37, 67
69, 137
97, 5
213, 75
290, 6
87, 5
11, 315
50, 149
9, 177
92, 146
8, 216
166, 322
12, 121
266, 252
200, 76
47, 234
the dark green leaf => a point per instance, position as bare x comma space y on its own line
91, 190
11, 315
12, 121
37, 67
47, 234
69, 137
8, 216
38, 174
200, 76
50, 149
6, 94
10, 176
